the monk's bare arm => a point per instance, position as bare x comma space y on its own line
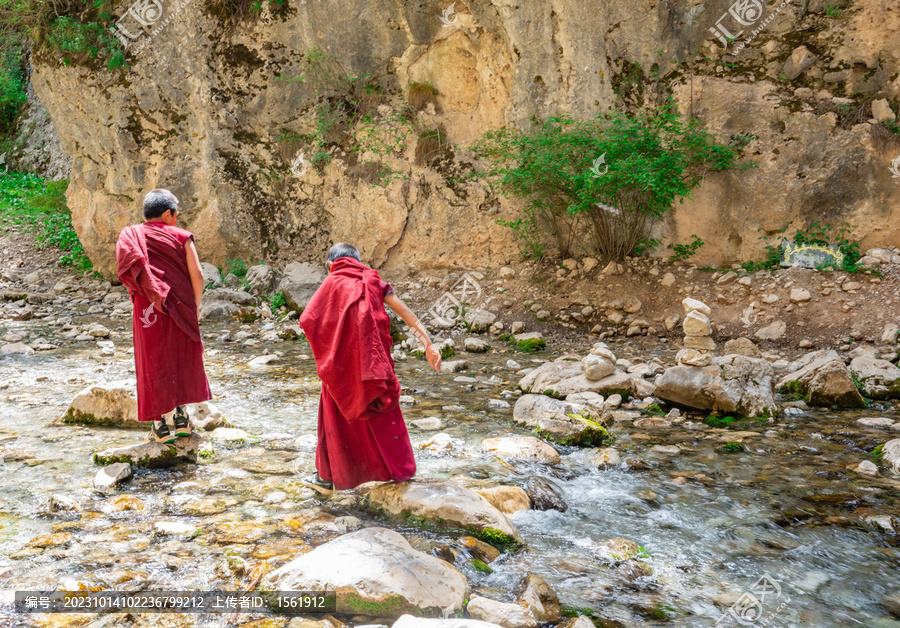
193, 262
432, 354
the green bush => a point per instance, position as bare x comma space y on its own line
77, 32
684, 252
13, 79
609, 177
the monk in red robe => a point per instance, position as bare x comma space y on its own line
158, 264
362, 435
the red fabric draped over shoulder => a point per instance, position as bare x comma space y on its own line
362, 434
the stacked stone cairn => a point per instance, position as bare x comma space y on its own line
697, 341
599, 363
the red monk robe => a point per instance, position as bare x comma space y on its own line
168, 352
362, 435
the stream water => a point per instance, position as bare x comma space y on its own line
713, 523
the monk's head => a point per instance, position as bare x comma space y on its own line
161, 205
341, 249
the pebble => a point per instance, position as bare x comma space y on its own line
428, 424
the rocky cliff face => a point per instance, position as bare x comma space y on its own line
204, 110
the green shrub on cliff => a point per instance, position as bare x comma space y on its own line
599, 184
76, 32
12, 78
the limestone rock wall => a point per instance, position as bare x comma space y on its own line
201, 110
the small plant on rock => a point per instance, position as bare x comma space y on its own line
418, 95
683, 252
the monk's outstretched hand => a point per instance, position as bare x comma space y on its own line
433, 355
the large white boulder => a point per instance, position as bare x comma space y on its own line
564, 377
732, 383
300, 282
375, 572
824, 382
444, 500
879, 378
112, 405
408, 621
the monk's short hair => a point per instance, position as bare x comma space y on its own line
342, 249
158, 202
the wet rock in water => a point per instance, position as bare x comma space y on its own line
17, 347
428, 424
231, 436
453, 504
454, 366
375, 572
742, 346
501, 613
217, 310
521, 447
114, 405
263, 361
408, 621
300, 282
174, 528
866, 467
476, 345
563, 378
879, 378
891, 602
261, 279
544, 495
732, 384
590, 399
206, 416
61, 505
824, 382
154, 455
211, 275
562, 422
607, 458
577, 622
479, 320
891, 454
108, 477
540, 598
439, 443
876, 422
652, 422
497, 404
506, 499
98, 331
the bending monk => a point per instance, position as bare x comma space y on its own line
362, 435
159, 265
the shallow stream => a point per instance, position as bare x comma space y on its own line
712, 523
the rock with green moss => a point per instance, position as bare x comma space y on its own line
152, 455
112, 405
530, 342
561, 421
824, 382
444, 503
375, 572
876, 379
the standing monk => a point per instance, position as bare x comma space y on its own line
159, 265
362, 435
